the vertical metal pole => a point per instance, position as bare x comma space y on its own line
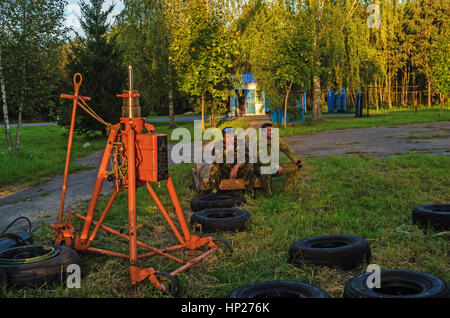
131, 156
130, 87
74, 97
69, 149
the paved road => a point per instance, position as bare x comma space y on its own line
42, 202
32, 124
431, 138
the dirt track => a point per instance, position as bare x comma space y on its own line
42, 202
431, 138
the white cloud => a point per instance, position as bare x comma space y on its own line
73, 13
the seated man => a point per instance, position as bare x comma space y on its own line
289, 169
224, 170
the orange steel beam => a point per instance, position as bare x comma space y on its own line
102, 218
105, 252
74, 97
178, 211
102, 174
164, 212
193, 261
149, 247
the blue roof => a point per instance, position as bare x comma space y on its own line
248, 78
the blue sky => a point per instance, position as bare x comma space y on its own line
73, 12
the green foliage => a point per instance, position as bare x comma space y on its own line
275, 48
98, 58
202, 50
143, 30
441, 62
31, 35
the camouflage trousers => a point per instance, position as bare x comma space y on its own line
222, 171
290, 170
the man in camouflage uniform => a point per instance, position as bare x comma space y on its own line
289, 169
232, 170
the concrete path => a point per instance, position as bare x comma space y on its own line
31, 124
431, 138
186, 118
42, 202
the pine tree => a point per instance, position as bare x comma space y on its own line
97, 57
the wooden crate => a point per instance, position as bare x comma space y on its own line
200, 176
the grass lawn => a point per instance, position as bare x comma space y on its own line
42, 154
176, 116
372, 198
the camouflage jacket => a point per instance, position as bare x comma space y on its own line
283, 147
223, 156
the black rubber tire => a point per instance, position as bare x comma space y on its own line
278, 289
222, 219
344, 251
48, 270
398, 284
217, 200
435, 215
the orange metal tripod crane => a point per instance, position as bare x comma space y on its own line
139, 157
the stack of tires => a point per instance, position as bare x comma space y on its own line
219, 212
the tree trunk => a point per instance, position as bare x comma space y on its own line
212, 120
171, 113
317, 99
376, 94
203, 112
5, 106
429, 93
286, 101
405, 82
389, 92
21, 104
381, 88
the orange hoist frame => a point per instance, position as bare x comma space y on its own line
138, 157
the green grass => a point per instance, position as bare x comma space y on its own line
42, 154
176, 116
335, 195
390, 119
